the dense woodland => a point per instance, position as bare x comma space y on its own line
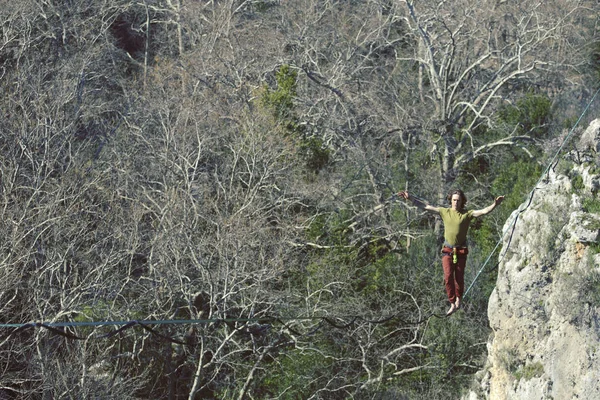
234, 161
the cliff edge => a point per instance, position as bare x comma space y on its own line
545, 309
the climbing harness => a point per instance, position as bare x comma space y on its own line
454, 251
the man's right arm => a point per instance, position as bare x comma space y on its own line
418, 202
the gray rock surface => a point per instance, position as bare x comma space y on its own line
545, 309
590, 139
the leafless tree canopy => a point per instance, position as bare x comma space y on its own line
233, 161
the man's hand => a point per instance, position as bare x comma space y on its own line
488, 209
404, 194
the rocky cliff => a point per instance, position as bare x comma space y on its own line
545, 309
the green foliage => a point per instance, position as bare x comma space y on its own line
330, 230
450, 350
589, 288
514, 182
563, 167
317, 227
264, 5
508, 359
281, 100
92, 313
531, 114
529, 371
479, 167
591, 205
296, 374
595, 59
315, 153
511, 361
376, 277
367, 267
577, 184
312, 149
514, 364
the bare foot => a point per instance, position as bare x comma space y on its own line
451, 310
457, 303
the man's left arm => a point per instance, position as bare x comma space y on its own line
488, 209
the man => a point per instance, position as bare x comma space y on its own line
454, 252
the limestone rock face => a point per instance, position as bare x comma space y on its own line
545, 309
590, 140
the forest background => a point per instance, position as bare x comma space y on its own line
235, 160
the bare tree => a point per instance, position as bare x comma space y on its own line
473, 57
154, 167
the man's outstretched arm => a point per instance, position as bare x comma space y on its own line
488, 209
418, 202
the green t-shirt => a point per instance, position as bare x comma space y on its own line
456, 226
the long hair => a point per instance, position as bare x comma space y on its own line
459, 192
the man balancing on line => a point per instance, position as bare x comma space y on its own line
454, 252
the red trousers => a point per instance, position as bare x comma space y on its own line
454, 275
